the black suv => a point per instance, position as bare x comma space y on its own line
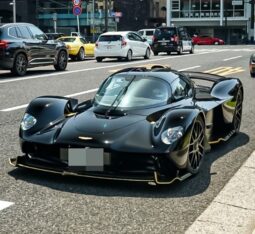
23, 45
171, 39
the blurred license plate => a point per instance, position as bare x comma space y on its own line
89, 159
163, 43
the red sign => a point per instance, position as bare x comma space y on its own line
76, 2
77, 10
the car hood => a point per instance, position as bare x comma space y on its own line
90, 122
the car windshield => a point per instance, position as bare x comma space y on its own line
110, 38
142, 91
67, 39
165, 32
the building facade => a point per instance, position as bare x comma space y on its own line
199, 16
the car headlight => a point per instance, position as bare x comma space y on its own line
171, 135
28, 122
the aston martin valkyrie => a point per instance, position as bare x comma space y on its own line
152, 125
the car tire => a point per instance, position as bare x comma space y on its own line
237, 118
129, 55
168, 53
61, 61
180, 51
196, 149
192, 50
252, 74
147, 53
81, 54
73, 58
99, 59
20, 65
155, 53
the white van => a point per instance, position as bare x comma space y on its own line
147, 33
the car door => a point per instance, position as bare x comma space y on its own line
46, 48
31, 46
133, 44
141, 44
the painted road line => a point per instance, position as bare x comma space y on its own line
70, 95
93, 68
73, 95
189, 68
223, 71
5, 204
233, 209
227, 59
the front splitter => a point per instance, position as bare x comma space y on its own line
155, 178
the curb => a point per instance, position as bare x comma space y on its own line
233, 209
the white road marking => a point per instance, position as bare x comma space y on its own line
5, 204
70, 95
227, 59
93, 68
189, 68
74, 94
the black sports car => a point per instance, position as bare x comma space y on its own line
152, 125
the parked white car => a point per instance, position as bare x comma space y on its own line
121, 45
147, 33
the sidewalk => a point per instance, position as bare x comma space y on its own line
233, 210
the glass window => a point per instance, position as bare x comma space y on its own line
165, 32
149, 33
179, 88
131, 37
83, 40
142, 91
24, 32
141, 33
37, 33
12, 32
67, 39
137, 37
110, 38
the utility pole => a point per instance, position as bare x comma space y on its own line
106, 15
252, 21
168, 12
13, 3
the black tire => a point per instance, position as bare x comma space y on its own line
155, 53
62, 61
196, 146
192, 50
168, 53
147, 53
180, 51
73, 58
129, 55
99, 59
119, 59
237, 118
20, 65
81, 54
252, 74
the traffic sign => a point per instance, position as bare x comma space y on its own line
76, 2
77, 10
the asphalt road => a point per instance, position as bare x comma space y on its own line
53, 204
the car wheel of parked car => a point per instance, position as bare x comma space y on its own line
20, 65
62, 61
252, 74
168, 53
192, 50
180, 51
147, 54
238, 111
129, 55
81, 54
196, 146
155, 53
99, 59
216, 43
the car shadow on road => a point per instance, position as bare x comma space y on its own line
192, 186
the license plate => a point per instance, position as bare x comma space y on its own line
163, 43
89, 159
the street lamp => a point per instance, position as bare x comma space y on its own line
13, 3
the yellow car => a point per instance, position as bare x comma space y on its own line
78, 47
